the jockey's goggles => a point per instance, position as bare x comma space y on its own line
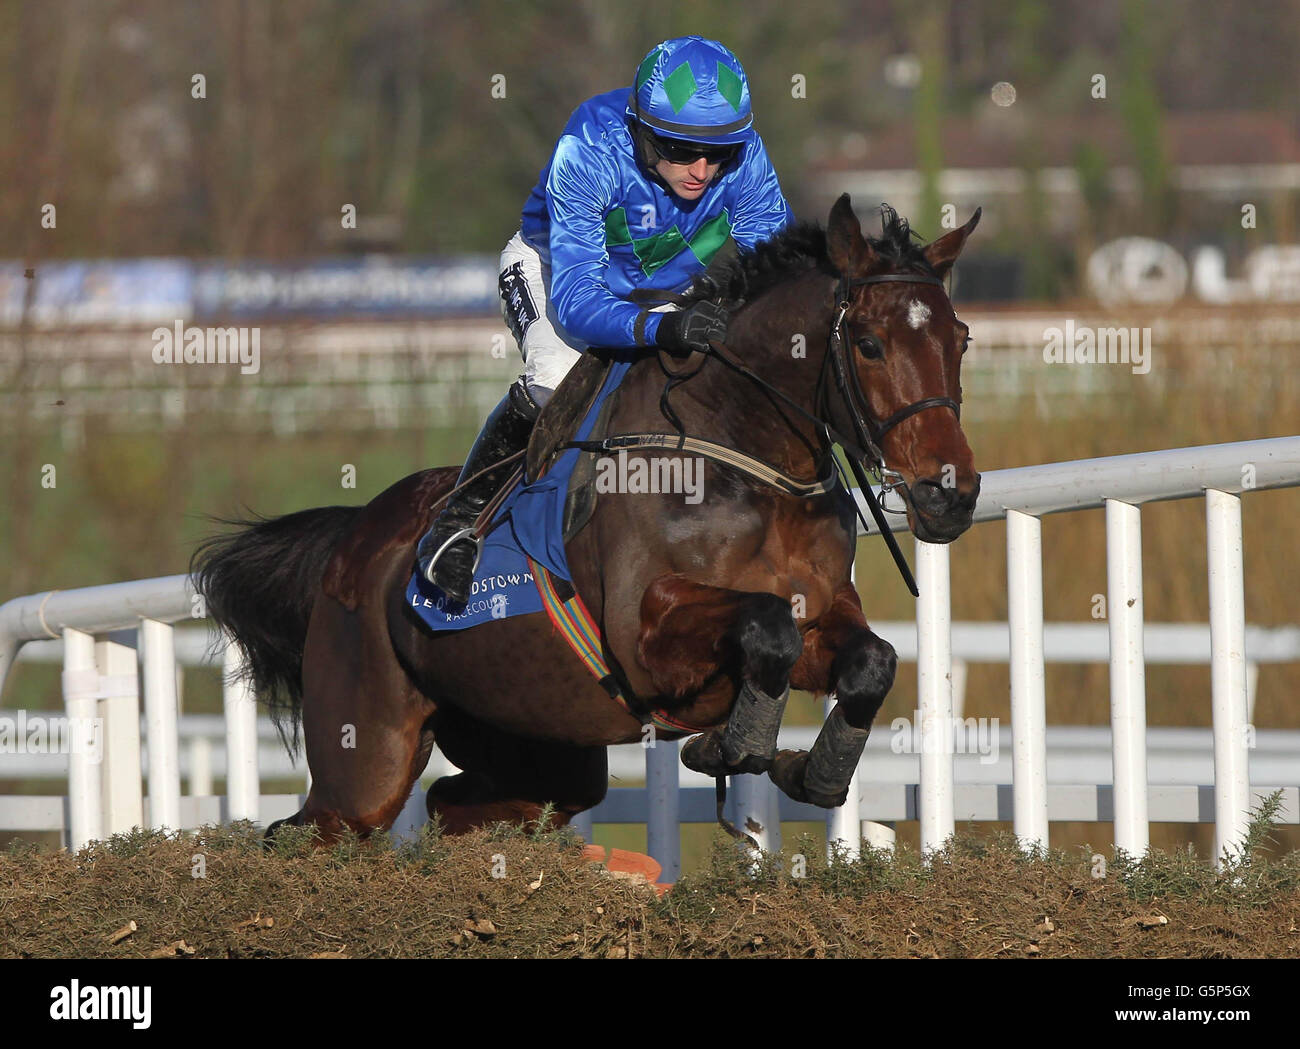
676, 152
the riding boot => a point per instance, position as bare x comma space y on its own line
448, 555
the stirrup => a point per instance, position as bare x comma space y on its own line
456, 537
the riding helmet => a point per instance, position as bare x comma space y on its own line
694, 90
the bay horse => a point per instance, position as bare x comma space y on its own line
832, 334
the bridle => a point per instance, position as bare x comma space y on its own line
863, 446
869, 432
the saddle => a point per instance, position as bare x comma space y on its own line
556, 426
564, 411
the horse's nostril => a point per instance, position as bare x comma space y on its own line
939, 500
931, 498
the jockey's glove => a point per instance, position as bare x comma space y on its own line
692, 328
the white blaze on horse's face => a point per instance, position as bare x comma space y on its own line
917, 314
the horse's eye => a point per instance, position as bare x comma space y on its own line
869, 346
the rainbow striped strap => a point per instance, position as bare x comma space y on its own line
577, 627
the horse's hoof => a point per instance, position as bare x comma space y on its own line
703, 754
269, 836
826, 801
787, 772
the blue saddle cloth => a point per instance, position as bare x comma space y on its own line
504, 583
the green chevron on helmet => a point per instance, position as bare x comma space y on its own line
692, 89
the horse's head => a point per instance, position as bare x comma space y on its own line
903, 346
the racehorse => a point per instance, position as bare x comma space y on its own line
710, 612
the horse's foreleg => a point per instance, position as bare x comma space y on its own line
843, 656
691, 632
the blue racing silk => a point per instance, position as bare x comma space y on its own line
605, 227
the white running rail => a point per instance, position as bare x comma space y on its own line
101, 691
1121, 484
101, 683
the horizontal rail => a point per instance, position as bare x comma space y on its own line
1182, 644
92, 610
1075, 754
1143, 477
98, 669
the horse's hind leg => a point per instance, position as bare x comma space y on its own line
509, 778
368, 731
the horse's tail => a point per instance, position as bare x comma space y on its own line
259, 584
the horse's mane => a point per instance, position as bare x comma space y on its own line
801, 248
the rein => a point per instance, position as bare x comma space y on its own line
719, 453
868, 433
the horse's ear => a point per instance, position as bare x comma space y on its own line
845, 247
942, 253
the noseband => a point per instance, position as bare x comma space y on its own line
869, 432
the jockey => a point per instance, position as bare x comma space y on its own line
646, 188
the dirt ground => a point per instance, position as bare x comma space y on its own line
507, 893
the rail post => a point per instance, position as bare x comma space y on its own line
86, 755
1228, 672
934, 690
241, 738
157, 647
663, 825
119, 705
1028, 681
1128, 704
